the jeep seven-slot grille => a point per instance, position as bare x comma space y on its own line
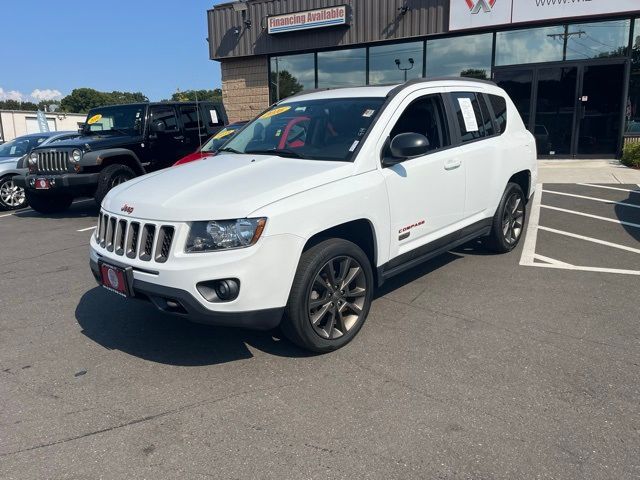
53, 161
145, 241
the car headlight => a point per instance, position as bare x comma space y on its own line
33, 159
76, 155
224, 234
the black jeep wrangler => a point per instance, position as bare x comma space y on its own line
115, 144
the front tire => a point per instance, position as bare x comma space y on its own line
12, 197
331, 296
110, 177
508, 222
48, 203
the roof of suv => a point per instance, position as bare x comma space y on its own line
382, 90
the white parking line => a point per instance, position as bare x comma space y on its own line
586, 269
609, 188
597, 217
602, 200
86, 229
551, 261
589, 239
26, 210
529, 248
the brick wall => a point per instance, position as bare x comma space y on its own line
245, 87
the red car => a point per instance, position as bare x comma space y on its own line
210, 148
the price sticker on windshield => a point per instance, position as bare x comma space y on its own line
94, 119
274, 112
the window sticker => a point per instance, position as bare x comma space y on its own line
301, 109
274, 112
278, 132
468, 115
96, 118
368, 113
354, 145
214, 116
222, 134
362, 131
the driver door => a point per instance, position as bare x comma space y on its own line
426, 193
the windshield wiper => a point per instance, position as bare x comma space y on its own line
230, 150
282, 152
119, 130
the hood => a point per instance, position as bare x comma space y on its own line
94, 142
224, 187
4, 160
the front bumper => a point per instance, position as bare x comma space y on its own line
192, 309
74, 183
265, 273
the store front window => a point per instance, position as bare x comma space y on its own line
395, 63
342, 68
597, 40
535, 45
468, 56
291, 74
632, 113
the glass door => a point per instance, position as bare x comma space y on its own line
555, 110
600, 109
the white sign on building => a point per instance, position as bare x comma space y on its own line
466, 14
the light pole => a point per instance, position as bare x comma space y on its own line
405, 69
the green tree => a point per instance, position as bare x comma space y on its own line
284, 84
474, 73
214, 95
81, 100
15, 105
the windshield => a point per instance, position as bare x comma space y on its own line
219, 139
327, 129
20, 146
125, 119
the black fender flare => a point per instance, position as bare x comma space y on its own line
98, 157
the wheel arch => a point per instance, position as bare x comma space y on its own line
522, 178
360, 231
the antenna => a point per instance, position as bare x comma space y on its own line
198, 114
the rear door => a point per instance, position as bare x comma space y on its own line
166, 146
191, 127
478, 148
426, 193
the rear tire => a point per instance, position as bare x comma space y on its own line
110, 177
11, 196
331, 296
508, 222
50, 203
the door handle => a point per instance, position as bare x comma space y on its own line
452, 164
179, 137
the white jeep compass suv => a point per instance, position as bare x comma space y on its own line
316, 202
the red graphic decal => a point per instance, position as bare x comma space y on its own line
413, 225
126, 208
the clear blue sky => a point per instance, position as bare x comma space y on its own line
128, 45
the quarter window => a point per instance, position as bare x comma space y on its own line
486, 116
189, 116
427, 117
467, 109
499, 105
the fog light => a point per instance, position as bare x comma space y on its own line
216, 291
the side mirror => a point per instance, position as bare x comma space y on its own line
407, 145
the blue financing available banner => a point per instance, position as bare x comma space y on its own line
42, 121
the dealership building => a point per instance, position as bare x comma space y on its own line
572, 67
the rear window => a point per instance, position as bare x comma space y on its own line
499, 105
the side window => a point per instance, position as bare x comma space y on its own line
467, 109
427, 117
211, 116
499, 105
166, 116
486, 116
189, 117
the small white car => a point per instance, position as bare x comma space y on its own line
318, 201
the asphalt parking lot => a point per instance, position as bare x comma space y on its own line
472, 366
